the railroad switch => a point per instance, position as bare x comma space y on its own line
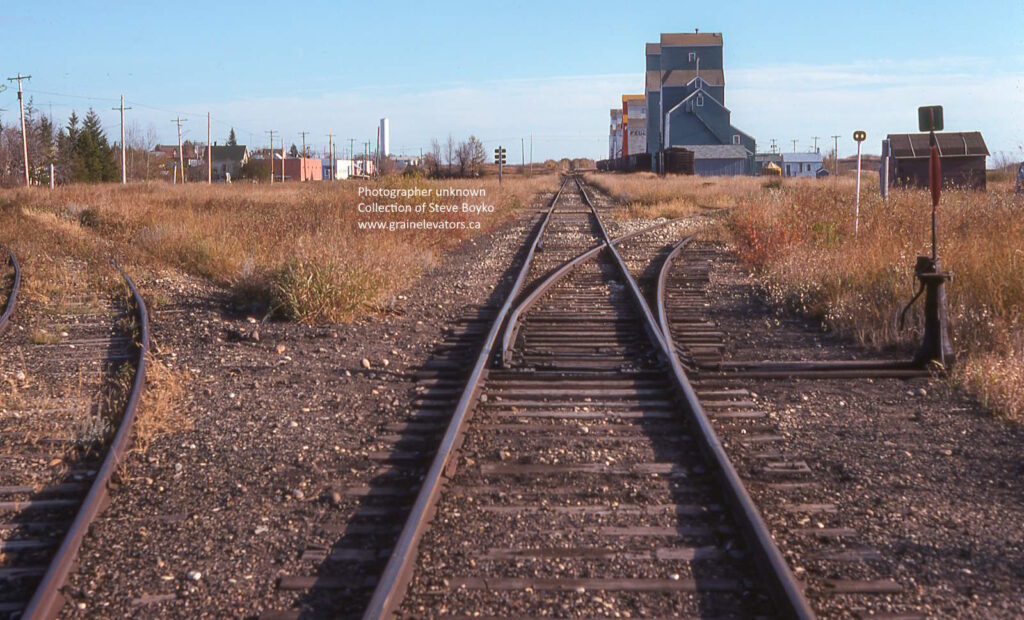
935, 346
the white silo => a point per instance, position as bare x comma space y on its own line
385, 138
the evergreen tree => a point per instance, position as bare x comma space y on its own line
231, 138
294, 151
93, 160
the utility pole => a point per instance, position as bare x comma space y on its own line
366, 156
21, 104
282, 160
531, 152
835, 164
181, 154
352, 150
815, 138
302, 164
775, 145
330, 152
124, 171
271, 132
522, 146
209, 152
794, 145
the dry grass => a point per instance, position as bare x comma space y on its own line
646, 195
161, 411
800, 240
295, 248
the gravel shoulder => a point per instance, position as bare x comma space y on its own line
923, 473
213, 514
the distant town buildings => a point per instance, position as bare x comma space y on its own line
615, 134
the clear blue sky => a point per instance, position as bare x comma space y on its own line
502, 71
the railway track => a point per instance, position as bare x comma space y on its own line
66, 425
11, 299
578, 474
840, 568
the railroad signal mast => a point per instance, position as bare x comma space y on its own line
499, 158
859, 137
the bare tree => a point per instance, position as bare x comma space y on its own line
450, 153
435, 157
464, 157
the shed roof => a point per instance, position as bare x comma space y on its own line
951, 144
688, 39
718, 151
682, 77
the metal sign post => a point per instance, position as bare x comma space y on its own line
859, 137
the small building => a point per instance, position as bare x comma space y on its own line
801, 164
298, 169
962, 154
348, 168
720, 159
868, 161
228, 161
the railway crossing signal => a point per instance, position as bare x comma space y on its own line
499, 158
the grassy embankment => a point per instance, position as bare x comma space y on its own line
799, 240
295, 248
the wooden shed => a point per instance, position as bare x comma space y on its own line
962, 154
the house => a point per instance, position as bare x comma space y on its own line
801, 164
228, 161
690, 83
962, 154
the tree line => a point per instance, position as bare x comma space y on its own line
79, 151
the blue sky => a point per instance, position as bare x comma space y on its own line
502, 72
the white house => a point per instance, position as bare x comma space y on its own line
801, 164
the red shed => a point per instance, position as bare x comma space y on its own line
963, 159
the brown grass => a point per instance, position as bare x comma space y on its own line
161, 411
799, 239
295, 248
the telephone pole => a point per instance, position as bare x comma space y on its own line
181, 154
209, 152
302, 164
835, 164
775, 145
352, 149
330, 152
271, 132
21, 104
794, 145
815, 138
124, 171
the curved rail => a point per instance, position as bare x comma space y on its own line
508, 337
783, 586
47, 599
395, 579
12, 298
663, 285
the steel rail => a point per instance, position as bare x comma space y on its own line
47, 598
508, 337
390, 590
783, 586
12, 297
